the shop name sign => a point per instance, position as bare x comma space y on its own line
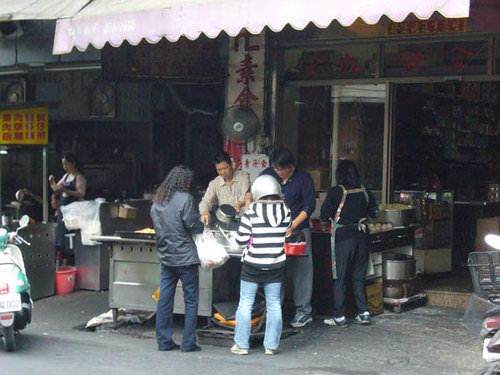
446, 25
29, 126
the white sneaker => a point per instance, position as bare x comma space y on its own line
363, 318
271, 351
340, 322
235, 349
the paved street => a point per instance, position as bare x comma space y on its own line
426, 340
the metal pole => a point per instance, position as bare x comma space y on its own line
335, 139
44, 185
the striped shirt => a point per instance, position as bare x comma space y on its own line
265, 223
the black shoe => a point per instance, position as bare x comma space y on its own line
195, 348
173, 347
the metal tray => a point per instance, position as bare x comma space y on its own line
135, 235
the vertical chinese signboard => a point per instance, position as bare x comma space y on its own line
246, 81
29, 126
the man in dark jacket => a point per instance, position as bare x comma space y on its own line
175, 219
297, 187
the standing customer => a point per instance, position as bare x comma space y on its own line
70, 188
298, 188
266, 222
175, 220
348, 204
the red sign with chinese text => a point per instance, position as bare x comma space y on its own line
445, 25
28, 126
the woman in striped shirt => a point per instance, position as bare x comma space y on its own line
262, 228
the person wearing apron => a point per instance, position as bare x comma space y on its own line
70, 188
348, 205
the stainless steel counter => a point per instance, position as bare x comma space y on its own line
134, 275
476, 203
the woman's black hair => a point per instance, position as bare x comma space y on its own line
178, 179
71, 158
282, 157
347, 174
222, 157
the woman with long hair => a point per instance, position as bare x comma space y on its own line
175, 219
347, 205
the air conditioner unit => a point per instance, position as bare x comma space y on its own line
13, 91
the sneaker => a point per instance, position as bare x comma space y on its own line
363, 318
340, 322
235, 349
271, 351
300, 320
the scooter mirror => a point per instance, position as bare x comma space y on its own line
24, 221
493, 240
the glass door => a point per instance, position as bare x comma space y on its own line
359, 118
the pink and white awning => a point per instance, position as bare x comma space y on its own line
114, 21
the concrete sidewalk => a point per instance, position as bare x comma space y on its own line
425, 340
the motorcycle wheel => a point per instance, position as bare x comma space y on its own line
9, 341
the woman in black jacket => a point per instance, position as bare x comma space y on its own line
176, 218
348, 205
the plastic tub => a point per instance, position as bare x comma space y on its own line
65, 280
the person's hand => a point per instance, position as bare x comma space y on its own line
52, 179
205, 218
237, 207
290, 230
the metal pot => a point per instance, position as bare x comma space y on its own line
399, 289
397, 217
399, 267
225, 213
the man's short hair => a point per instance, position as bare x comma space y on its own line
282, 157
223, 156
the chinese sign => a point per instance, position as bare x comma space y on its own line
25, 126
246, 82
438, 58
340, 62
445, 25
253, 164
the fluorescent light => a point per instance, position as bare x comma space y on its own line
4, 150
71, 67
12, 70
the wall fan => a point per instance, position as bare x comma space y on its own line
239, 124
13, 92
102, 100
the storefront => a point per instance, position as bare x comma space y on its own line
415, 104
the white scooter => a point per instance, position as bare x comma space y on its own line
15, 292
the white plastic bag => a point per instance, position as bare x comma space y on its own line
83, 215
211, 253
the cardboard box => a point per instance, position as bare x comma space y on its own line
321, 178
433, 260
486, 225
374, 298
127, 212
113, 209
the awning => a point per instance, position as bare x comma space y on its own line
13, 10
114, 21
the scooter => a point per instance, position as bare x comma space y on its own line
487, 280
15, 293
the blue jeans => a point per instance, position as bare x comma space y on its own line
274, 323
189, 276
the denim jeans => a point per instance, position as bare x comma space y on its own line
189, 276
274, 323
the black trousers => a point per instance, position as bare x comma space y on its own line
352, 262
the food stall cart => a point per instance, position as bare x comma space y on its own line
134, 275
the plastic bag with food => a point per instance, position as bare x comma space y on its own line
210, 252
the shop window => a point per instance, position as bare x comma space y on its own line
431, 59
339, 62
